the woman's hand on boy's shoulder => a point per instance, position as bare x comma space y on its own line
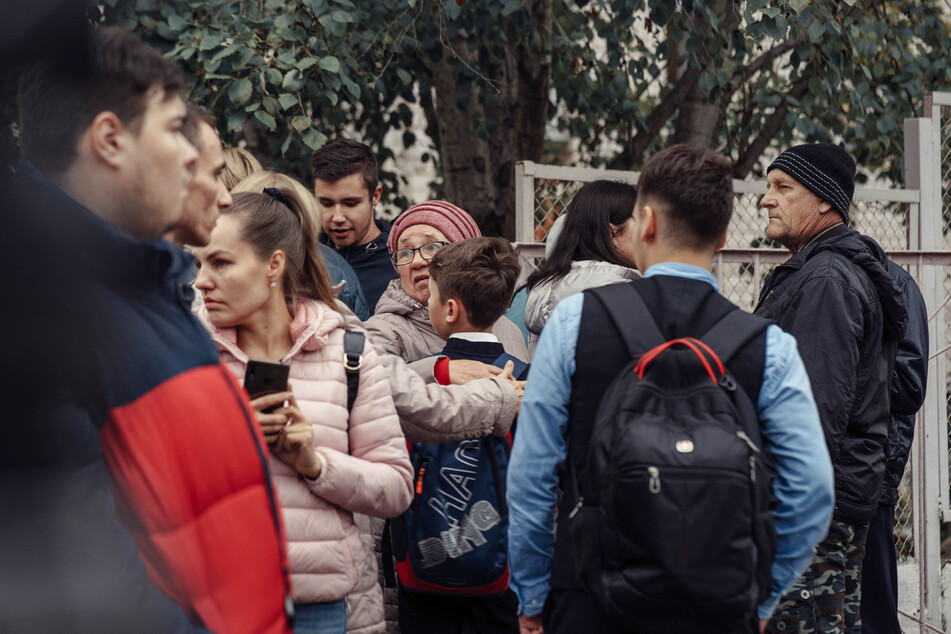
464, 370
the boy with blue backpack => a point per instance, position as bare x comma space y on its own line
451, 545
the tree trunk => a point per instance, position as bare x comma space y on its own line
463, 156
525, 79
699, 120
480, 175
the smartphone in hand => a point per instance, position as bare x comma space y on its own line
265, 377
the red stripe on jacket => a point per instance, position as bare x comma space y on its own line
217, 549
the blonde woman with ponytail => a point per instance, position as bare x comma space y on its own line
365, 611
347, 286
267, 296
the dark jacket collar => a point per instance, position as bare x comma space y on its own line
375, 244
866, 254
97, 247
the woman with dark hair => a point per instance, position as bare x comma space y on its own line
594, 248
267, 296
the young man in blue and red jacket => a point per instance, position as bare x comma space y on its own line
119, 407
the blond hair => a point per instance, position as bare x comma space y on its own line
239, 164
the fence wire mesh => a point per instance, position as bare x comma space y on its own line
945, 122
882, 220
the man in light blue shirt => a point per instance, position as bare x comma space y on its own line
685, 200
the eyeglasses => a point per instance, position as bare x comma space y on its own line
402, 257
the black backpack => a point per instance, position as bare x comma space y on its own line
673, 527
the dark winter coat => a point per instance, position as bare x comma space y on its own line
371, 262
908, 383
130, 394
847, 314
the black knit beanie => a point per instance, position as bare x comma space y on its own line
824, 169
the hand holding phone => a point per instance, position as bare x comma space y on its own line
265, 377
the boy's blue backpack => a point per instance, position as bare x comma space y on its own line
453, 540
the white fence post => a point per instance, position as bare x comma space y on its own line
524, 202
930, 453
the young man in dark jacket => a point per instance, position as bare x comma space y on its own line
880, 570
347, 187
135, 490
840, 302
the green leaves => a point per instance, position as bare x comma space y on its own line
240, 91
301, 123
798, 5
314, 139
329, 63
287, 100
285, 74
293, 81
269, 122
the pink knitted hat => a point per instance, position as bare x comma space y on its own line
452, 221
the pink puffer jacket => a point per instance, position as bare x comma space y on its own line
366, 466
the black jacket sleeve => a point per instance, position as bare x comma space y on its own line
908, 384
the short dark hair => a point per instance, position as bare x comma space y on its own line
695, 188
586, 234
191, 127
56, 105
480, 273
341, 158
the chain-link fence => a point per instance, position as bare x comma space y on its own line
879, 213
884, 214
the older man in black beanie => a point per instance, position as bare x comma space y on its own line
840, 302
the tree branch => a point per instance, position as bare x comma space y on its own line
759, 144
637, 143
742, 74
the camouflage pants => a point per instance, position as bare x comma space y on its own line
825, 600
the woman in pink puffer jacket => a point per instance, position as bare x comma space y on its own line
267, 296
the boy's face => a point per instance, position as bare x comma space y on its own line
438, 310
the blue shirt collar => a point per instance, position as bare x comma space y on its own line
679, 269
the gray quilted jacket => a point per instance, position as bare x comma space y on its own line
583, 275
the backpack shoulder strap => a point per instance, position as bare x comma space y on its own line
630, 314
517, 371
386, 545
353, 343
733, 333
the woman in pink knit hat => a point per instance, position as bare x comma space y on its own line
401, 325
